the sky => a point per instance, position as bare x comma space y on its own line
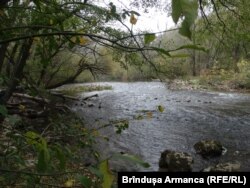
153, 21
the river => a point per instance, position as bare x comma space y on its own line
188, 117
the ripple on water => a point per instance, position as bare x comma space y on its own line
207, 115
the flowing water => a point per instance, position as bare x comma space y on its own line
188, 117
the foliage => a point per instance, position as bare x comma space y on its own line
43, 156
187, 9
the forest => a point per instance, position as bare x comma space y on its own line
46, 141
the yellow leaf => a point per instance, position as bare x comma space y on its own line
149, 115
160, 108
21, 108
69, 183
95, 133
36, 39
133, 20
1, 13
73, 39
108, 177
83, 40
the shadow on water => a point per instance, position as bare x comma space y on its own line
188, 117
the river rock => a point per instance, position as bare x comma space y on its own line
224, 167
208, 148
173, 161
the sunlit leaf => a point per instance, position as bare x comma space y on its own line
149, 38
108, 177
69, 183
160, 108
35, 139
32, 137
131, 158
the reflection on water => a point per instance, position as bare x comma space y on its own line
189, 117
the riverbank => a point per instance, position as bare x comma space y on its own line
203, 85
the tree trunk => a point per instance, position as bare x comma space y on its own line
3, 50
194, 64
193, 59
236, 57
18, 71
67, 81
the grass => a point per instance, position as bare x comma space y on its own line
87, 88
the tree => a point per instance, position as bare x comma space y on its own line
65, 24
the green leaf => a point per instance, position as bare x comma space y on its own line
37, 3
149, 38
162, 51
188, 9
176, 10
131, 158
108, 177
192, 46
36, 140
160, 108
139, 117
32, 138
85, 181
61, 157
134, 12
3, 110
180, 55
96, 172
43, 160
185, 29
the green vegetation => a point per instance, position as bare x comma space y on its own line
47, 44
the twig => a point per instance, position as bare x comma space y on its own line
37, 99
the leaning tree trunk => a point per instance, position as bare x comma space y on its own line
66, 81
18, 71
